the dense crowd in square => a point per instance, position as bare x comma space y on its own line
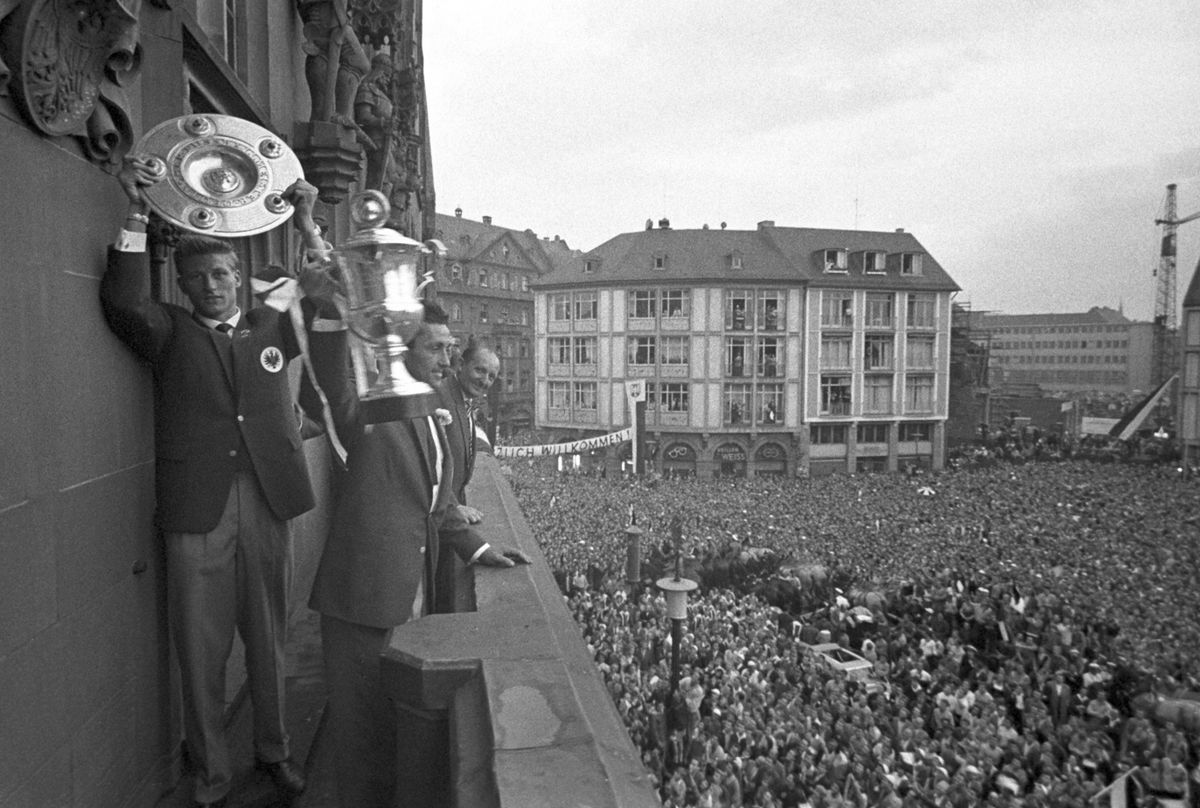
1029, 628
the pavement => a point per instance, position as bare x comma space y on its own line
310, 747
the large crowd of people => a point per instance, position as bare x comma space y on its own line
1023, 625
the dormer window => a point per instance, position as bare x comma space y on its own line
874, 262
456, 273
836, 260
735, 260
590, 265
910, 264
658, 261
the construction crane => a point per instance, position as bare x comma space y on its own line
1166, 319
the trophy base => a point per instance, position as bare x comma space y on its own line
379, 409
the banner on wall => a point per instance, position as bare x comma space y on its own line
571, 447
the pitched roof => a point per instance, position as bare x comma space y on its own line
769, 254
1191, 298
469, 240
1096, 315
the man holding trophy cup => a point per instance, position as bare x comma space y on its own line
229, 462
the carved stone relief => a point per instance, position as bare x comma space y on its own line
67, 63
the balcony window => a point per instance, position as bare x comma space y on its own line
559, 349
769, 313
922, 311
673, 397
770, 404
560, 307
837, 309
585, 396
559, 395
880, 312
642, 303
918, 354
878, 352
585, 350
737, 306
737, 356
674, 303
736, 408
918, 394
835, 395
877, 393
585, 305
675, 350
642, 351
835, 352
769, 357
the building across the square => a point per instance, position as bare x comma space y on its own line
1096, 351
774, 351
1189, 398
485, 287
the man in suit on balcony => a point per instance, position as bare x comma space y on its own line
395, 511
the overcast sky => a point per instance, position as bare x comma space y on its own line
1027, 145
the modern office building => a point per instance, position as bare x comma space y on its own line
779, 350
1099, 350
485, 286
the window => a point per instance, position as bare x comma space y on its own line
835, 260
737, 304
835, 352
874, 262
641, 351
503, 316
879, 310
877, 393
919, 353
916, 431
675, 350
641, 303
585, 305
524, 283
737, 404
735, 260
502, 280
910, 264
673, 397
837, 309
524, 316
524, 349
835, 395
483, 313
658, 261
585, 350
585, 396
456, 273
769, 312
560, 307
483, 278
877, 352
768, 357
872, 433
770, 404
918, 394
560, 395
456, 312
590, 265
826, 434
737, 356
674, 303
922, 311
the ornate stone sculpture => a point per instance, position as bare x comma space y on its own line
66, 64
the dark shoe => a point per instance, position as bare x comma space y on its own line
286, 775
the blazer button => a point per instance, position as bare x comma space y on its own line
422, 551
233, 452
241, 418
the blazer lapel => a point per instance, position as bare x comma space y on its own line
420, 428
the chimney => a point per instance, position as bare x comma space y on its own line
899, 229
458, 212
664, 224
487, 220
649, 224
765, 223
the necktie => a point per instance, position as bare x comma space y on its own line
225, 328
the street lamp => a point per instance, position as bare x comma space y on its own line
633, 569
676, 590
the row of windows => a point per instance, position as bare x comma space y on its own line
483, 314
870, 262
1052, 377
1061, 329
878, 351
1060, 344
767, 306
1068, 359
878, 394
477, 276
869, 433
837, 310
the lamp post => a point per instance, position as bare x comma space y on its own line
633, 569
676, 590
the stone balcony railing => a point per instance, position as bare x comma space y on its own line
502, 705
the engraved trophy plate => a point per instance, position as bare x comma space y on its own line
220, 175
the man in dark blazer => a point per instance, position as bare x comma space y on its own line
229, 473
395, 512
461, 394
